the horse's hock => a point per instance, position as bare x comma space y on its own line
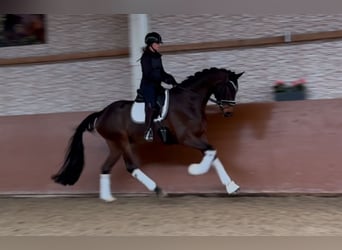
287, 147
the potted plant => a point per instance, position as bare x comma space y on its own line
295, 91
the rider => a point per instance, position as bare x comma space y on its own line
153, 74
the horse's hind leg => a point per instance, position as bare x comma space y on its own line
137, 173
105, 187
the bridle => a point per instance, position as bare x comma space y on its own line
221, 103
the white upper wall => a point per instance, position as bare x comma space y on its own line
91, 85
205, 28
317, 62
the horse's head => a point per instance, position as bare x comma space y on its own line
225, 91
221, 83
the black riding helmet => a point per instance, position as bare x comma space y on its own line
153, 37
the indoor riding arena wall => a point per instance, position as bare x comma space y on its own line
277, 147
266, 147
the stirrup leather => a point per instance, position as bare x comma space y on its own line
148, 134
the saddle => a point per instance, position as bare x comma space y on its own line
138, 107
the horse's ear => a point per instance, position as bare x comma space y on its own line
240, 74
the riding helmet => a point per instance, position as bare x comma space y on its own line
153, 37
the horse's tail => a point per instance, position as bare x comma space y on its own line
74, 161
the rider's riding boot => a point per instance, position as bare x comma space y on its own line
149, 115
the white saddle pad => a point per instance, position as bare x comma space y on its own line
138, 110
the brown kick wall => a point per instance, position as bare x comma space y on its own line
275, 147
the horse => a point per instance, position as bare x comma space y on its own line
185, 124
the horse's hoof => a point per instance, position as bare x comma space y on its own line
232, 187
227, 114
160, 192
108, 199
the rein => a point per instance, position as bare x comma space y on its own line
219, 103
222, 102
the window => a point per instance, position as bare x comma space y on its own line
26, 29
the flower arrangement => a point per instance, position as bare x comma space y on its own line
295, 91
299, 84
279, 86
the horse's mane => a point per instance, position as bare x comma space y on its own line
190, 80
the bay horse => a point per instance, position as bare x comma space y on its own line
185, 123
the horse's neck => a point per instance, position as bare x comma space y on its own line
204, 89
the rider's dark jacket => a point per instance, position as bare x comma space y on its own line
153, 74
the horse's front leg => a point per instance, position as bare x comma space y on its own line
209, 154
204, 166
231, 186
209, 159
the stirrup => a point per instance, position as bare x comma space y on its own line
148, 136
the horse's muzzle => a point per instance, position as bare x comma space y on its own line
227, 111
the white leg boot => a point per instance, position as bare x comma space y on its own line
204, 166
144, 179
231, 187
105, 190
